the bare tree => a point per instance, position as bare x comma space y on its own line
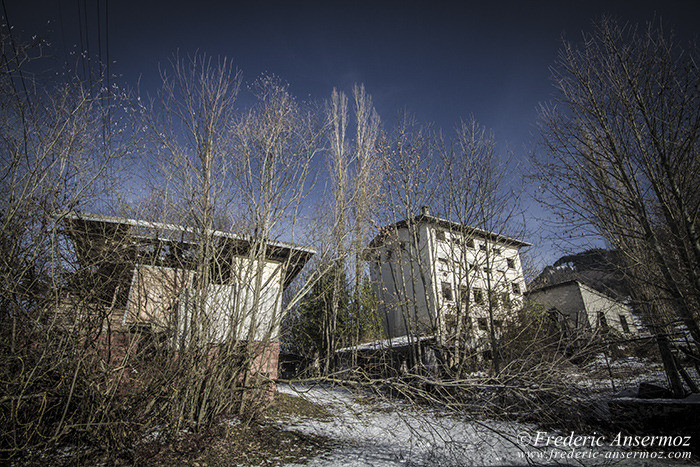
476, 194
60, 150
620, 156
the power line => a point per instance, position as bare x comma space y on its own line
21, 77
82, 40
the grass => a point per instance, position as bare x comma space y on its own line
262, 442
287, 405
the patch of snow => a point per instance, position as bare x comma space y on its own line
402, 341
386, 433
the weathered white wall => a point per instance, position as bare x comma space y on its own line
247, 308
582, 305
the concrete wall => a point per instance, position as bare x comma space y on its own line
247, 308
582, 306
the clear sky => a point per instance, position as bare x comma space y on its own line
440, 60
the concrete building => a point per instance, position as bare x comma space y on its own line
437, 277
144, 276
582, 311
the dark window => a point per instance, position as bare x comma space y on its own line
478, 297
470, 243
402, 246
440, 234
389, 254
511, 263
623, 323
447, 291
482, 246
451, 323
603, 320
483, 324
505, 299
497, 251
516, 288
463, 293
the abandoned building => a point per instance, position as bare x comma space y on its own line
581, 311
437, 277
144, 274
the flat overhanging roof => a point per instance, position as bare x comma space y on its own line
297, 255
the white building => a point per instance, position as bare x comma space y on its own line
581, 310
144, 275
437, 277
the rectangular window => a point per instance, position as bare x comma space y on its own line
516, 288
602, 320
451, 323
440, 234
389, 254
402, 246
463, 293
623, 323
478, 297
505, 299
483, 324
482, 246
511, 263
497, 251
447, 291
470, 243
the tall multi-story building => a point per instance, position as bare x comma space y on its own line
436, 277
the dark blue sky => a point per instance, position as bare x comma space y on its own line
441, 60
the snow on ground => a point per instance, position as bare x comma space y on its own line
627, 373
387, 433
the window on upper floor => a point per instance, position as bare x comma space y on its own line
440, 234
469, 242
511, 263
447, 291
623, 323
463, 293
516, 288
389, 254
602, 320
483, 324
478, 296
450, 323
482, 246
505, 299
497, 251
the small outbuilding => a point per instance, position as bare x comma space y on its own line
580, 309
